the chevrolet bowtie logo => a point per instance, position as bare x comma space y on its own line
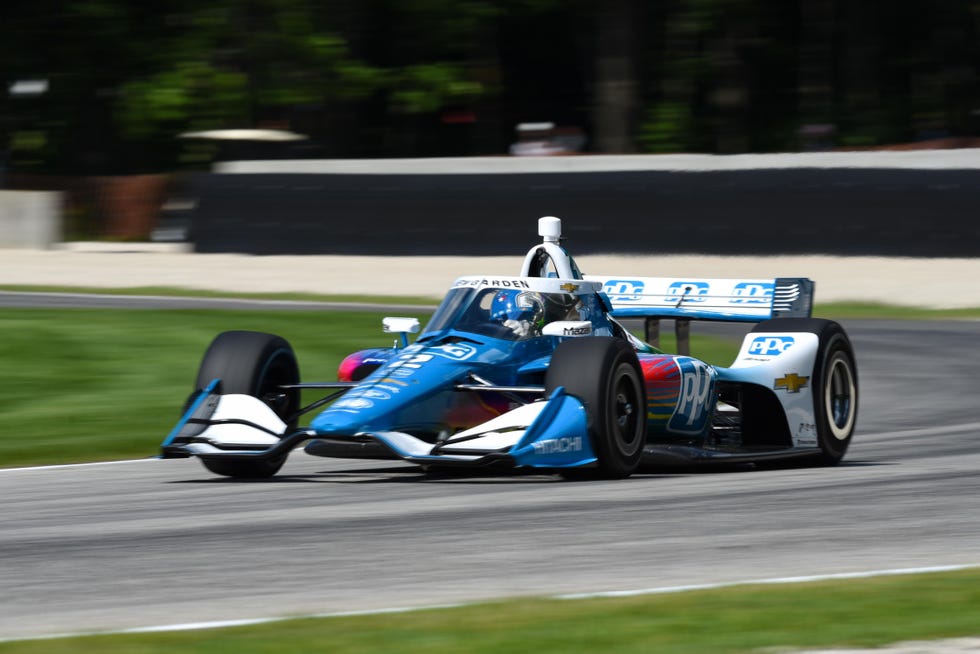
569, 287
792, 382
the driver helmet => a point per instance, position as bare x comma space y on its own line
523, 306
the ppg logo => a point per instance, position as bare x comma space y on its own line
770, 346
694, 400
623, 290
690, 291
752, 293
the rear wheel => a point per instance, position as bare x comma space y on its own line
835, 397
256, 364
604, 373
834, 381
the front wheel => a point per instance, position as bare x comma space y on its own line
605, 374
256, 364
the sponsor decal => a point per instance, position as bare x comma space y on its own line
374, 394
558, 445
454, 351
623, 290
354, 403
407, 364
496, 283
806, 433
752, 293
769, 346
687, 292
568, 287
697, 384
577, 331
412, 360
792, 383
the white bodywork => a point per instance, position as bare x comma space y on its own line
783, 361
500, 433
235, 435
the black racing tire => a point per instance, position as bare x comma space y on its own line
605, 374
252, 363
834, 384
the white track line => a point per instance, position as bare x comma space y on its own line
60, 466
777, 580
221, 624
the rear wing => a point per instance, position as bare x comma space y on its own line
732, 300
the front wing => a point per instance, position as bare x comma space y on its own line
549, 434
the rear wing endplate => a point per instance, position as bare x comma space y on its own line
732, 300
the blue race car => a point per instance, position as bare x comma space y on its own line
537, 372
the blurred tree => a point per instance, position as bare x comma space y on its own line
127, 78
615, 80
436, 77
672, 81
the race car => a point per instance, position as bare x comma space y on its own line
538, 372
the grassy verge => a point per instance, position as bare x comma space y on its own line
836, 310
753, 618
164, 291
85, 385
864, 310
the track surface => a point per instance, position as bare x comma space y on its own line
161, 542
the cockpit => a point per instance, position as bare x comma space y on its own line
514, 314
550, 288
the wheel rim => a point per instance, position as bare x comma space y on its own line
626, 408
840, 396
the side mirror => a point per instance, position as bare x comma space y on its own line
403, 326
394, 325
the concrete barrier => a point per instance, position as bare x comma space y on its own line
30, 219
896, 204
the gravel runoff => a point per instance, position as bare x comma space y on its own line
932, 283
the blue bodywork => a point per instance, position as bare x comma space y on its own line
464, 370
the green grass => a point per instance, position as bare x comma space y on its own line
753, 618
85, 385
165, 291
101, 384
859, 310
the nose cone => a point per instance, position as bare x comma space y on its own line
337, 421
359, 409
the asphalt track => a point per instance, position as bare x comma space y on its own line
154, 542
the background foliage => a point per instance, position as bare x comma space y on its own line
370, 78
